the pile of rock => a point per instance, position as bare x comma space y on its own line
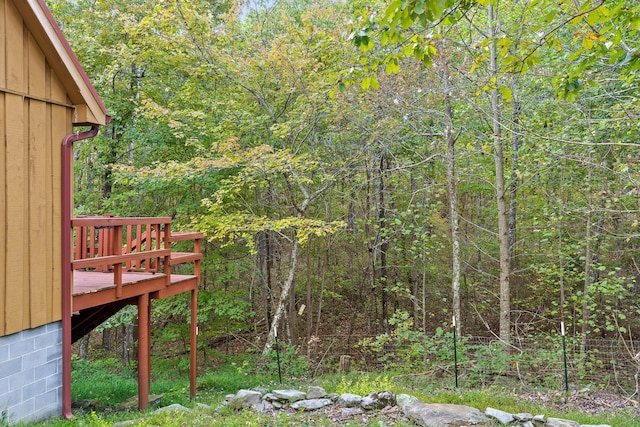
428, 415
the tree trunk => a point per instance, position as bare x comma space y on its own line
383, 244
453, 198
107, 339
282, 302
83, 351
591, 257
515, 147
498, 155
308, 308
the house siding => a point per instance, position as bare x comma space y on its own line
35, 115
31, 374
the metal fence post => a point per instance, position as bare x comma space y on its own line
564, 352
455, 350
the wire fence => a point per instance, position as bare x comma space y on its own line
534, 361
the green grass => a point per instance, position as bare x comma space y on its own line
109, 382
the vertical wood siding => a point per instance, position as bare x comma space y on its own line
34, 117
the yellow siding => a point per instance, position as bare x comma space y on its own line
32, 129
3, 202
16, 251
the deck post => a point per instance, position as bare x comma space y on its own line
194, 346
116, 249
143, 351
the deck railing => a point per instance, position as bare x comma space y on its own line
114, 244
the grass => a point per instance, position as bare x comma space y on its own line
111, 383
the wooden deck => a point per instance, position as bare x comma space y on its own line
129, 261
94, 288
121, 258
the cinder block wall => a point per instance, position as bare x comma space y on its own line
31, 374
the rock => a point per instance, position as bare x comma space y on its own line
437, 415
245, 399
523, 417
378, 400
264, 407
501, 416
270, 397
368, 403
349, 400
289, 395
528, 424
558, 422
174, 407
131, 404
315, 392
202, 406
311, 404
388, 398
403, 400
350, 412
334, 397
539, 419
277, 404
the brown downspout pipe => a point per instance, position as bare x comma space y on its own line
67, 145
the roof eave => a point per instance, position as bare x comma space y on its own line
90, 109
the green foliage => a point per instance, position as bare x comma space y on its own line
106, 380
408, 350
292, 365
364, 384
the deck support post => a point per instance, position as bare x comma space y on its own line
193, 343
144, 359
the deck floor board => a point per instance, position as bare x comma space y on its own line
91, 288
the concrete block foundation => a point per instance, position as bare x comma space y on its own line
31, 374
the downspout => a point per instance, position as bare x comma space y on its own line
67, 146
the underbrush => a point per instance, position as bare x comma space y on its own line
110, 383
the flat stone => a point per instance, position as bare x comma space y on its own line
289, 395
202, 406
523, 417
315, 392
245, 399
131, 404
528, 424
558, 422
349, 400
174, 407
501, 416
438, 415
311, 404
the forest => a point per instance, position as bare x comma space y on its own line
366, 168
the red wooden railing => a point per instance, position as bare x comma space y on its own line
114, 244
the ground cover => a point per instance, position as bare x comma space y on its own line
107, 384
